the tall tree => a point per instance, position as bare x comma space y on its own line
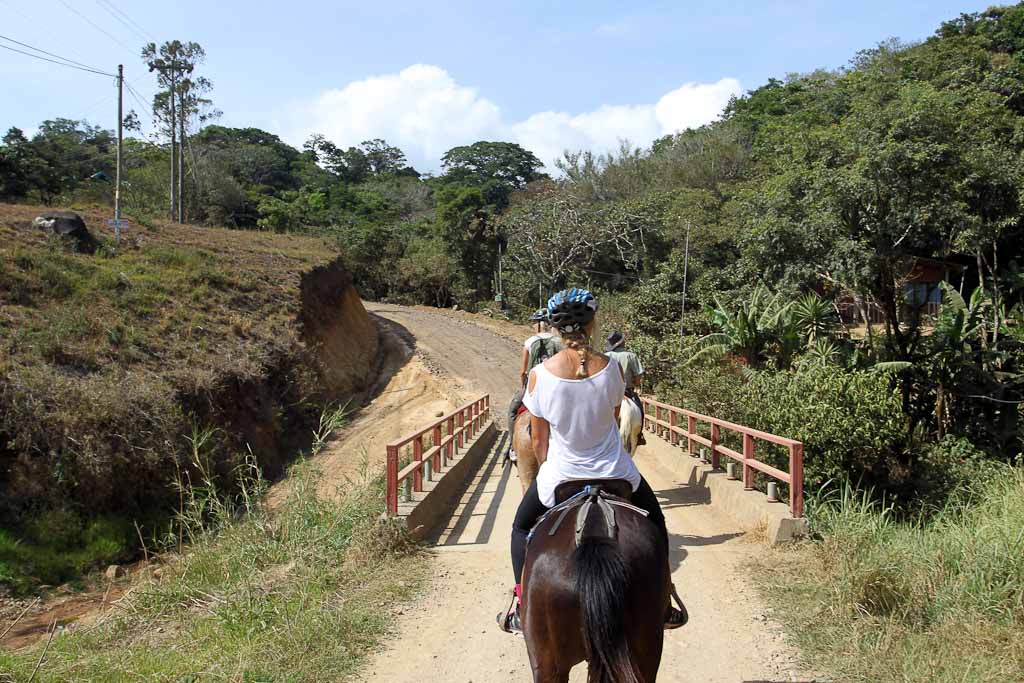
181, 100
498, 168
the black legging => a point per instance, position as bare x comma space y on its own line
531, 509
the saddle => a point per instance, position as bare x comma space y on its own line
585, 495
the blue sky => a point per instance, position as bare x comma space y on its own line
428, 76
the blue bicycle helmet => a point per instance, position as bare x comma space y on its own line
541, 316
571, 309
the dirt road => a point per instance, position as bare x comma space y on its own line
450, 634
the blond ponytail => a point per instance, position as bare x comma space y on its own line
580, 343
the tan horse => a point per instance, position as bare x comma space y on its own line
522, 444
631, 421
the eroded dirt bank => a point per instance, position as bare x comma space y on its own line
269, 408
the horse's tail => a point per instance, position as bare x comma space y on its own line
601, 587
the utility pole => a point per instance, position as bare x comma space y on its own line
686, 267
120, 145
501, 290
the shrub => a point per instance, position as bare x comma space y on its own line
850, 422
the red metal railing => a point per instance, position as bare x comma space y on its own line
654, 411
446, 436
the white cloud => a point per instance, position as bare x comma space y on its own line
425, 112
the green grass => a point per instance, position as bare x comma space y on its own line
938, 599
58, 547
298, 595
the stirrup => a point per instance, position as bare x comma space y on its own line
676, 618
508, 620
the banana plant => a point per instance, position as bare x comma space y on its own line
750, 330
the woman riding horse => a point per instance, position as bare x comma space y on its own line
573, 399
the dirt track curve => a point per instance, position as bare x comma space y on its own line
450, 634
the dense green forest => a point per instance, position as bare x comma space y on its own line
869, 192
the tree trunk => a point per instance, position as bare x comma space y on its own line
995, 292
981, 285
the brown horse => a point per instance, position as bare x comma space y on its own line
526, 459
595, 590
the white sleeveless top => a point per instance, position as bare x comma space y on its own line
584, 441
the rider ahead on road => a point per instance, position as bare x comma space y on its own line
573, 399
632, 370
536, 349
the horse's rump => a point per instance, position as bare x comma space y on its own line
613, 589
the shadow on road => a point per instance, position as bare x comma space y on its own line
452, 536
678, 544
683, 496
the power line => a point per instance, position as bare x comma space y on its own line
123, 18
54, 61
96, 26
136, 24
31, 23
70, 61
138, 98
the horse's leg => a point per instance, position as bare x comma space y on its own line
625, 427
527, 471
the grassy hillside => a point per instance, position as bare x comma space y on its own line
112, 366
938, 599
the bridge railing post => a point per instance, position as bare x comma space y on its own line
673, 438
439, 459
691, 429
417, 456
796, 480
716, 436
449, 448
748, 454
391, 477
460, 421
